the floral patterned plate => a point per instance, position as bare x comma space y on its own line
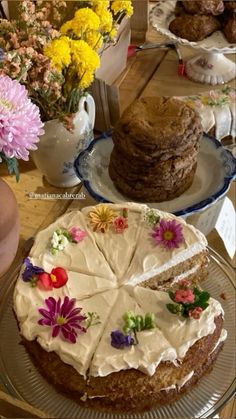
208, 186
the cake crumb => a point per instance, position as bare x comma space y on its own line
84, 397
223, 296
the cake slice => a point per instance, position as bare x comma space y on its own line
156, 262
118, 243
180, 332
27, 303
152, 348
82, 256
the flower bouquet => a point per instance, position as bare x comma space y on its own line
56, 62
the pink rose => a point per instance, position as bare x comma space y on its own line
195, 313
184, 296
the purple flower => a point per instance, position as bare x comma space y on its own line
119, 340
20, 123
63, 318
30, 270
169, 234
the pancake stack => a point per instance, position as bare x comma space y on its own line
155, 150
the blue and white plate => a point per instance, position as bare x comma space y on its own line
215, 170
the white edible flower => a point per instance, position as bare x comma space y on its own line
59, 241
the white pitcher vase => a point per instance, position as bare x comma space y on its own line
59, 147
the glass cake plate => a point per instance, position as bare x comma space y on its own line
20, 378
215, 170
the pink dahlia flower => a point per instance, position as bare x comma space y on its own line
20, 123
169, 234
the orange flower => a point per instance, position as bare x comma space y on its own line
101, 217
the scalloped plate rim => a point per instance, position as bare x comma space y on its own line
198, 207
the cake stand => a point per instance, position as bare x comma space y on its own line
210, 66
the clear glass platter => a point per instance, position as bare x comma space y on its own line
20, 378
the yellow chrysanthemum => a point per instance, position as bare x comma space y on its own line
59, 52
86, 80
84, 62
67, 26
85, 19
99, 7
113, 33
94, 39
101, 217
106, 21
122, 7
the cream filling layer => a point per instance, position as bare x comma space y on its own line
222, 338
180, 383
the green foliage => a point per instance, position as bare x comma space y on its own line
12, 165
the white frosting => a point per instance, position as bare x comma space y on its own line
118, 248
97, 267
26, 305
179, 383
222, 338
151, 350
148, 262
84, 257
181, 332
169, 341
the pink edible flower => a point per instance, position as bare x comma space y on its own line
77, 234
169, 234
120, 224
195, 313
184, 296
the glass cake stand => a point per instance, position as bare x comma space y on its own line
20, 378
211, 66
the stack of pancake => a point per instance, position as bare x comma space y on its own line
155, 150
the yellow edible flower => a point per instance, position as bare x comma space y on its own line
122, 7
101, 217
58, 51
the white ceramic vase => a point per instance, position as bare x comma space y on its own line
59, 147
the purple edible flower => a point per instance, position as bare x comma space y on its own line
30, 270
63, 318
119, 340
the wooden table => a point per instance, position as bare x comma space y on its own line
150, 73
